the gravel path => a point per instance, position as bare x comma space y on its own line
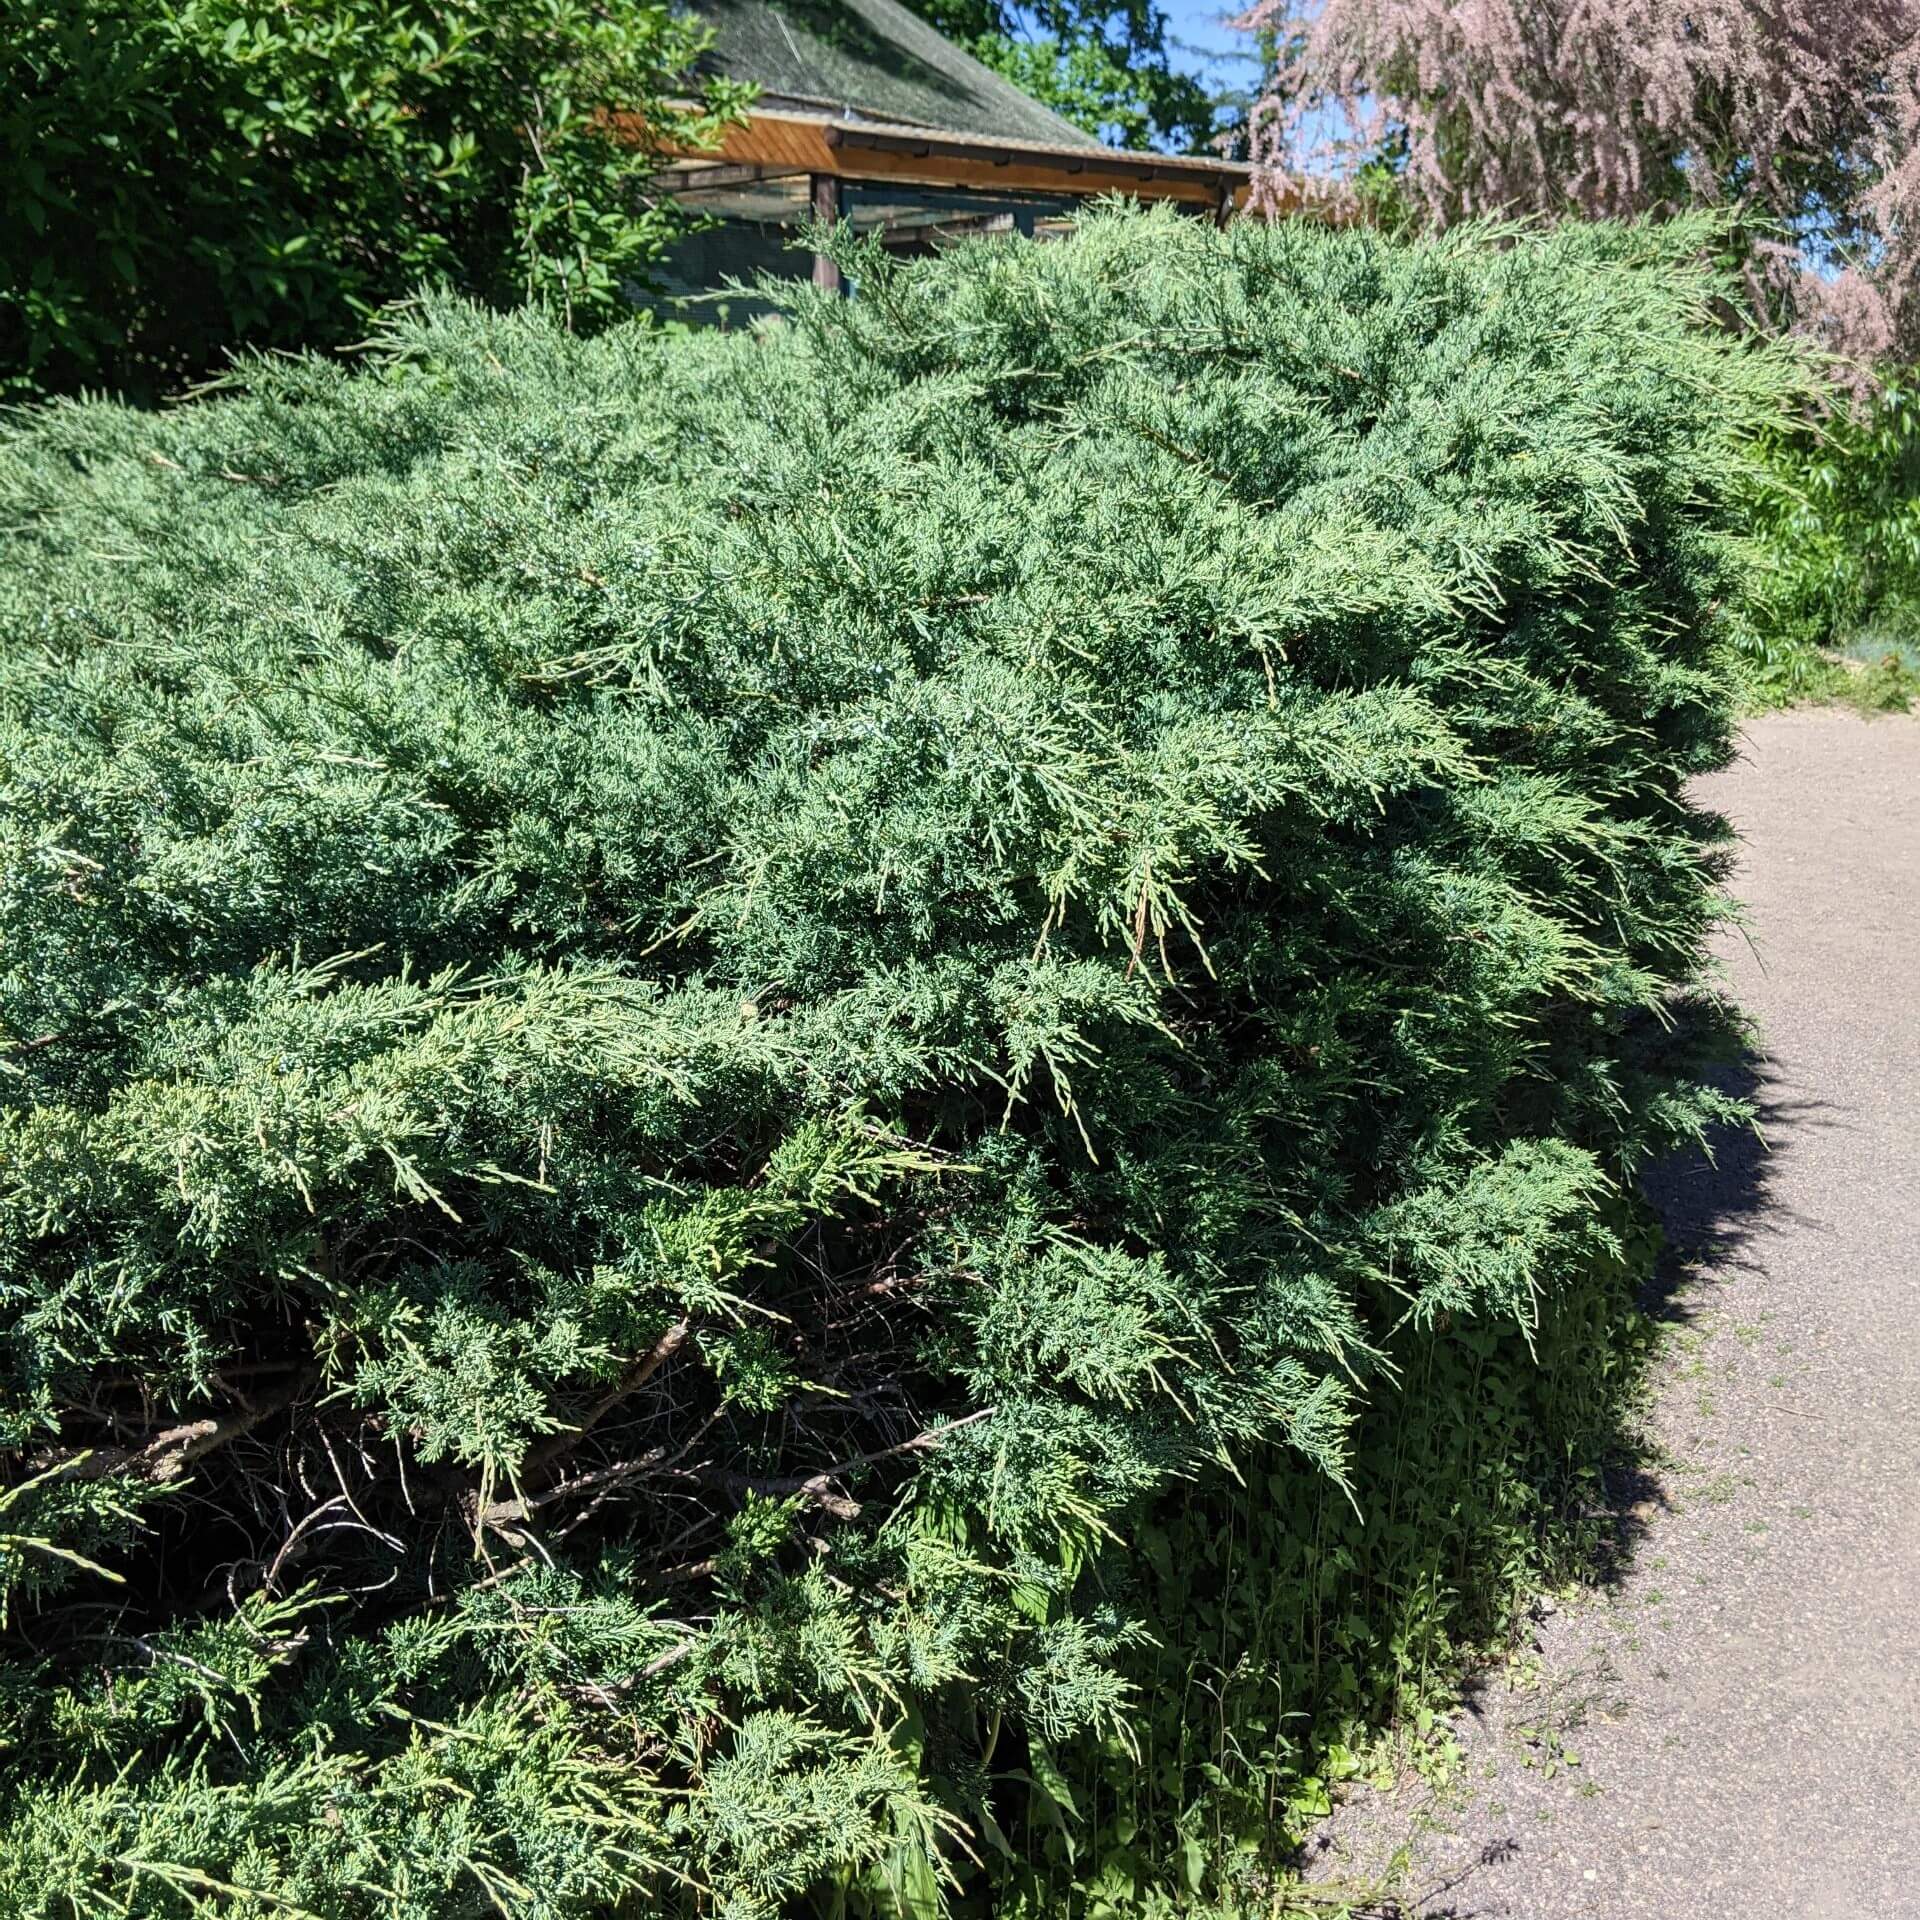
1744, 1707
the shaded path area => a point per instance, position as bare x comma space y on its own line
1734, 1730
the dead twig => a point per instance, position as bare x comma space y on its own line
546, 1457
168, 1455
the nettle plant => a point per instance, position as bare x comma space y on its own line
689, 1029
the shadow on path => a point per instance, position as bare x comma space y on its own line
1719, 1205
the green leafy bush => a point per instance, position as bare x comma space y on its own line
743, 1074
1838, 511
177, 179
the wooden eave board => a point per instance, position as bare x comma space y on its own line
851, 150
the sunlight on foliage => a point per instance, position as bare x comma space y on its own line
746, 1082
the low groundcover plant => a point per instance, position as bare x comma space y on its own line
739, 1075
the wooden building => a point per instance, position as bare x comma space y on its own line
867, 114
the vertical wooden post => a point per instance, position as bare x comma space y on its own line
826, 207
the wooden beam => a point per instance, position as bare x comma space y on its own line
818, 144
898, 153
826, 208
776, 142
1019, 173
688, 175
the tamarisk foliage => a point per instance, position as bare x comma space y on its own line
1803, 115
684, 1020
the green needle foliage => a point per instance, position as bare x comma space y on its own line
739, 1075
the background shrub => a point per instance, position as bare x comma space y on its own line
752, 1087
1838, 510
176, 179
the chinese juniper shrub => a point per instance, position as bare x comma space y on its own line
180, 177
744, 1077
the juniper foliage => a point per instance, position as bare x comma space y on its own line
686, 1021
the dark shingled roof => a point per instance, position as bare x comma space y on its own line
872, 60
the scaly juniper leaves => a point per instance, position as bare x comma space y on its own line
681, 1020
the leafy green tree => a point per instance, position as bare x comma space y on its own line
1081, 79
178, 177
1105, 68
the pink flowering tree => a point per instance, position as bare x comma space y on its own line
1802, 115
